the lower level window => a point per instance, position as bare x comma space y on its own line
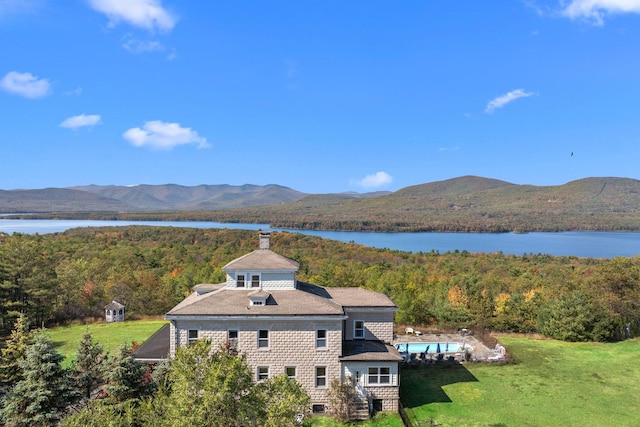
291, 372
318, 408
192, 336
263, 373
379, 375
321, 376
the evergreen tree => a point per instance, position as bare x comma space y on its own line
16, 345
125, 378
88, 367
42, 395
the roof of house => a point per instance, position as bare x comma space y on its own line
369, 351
156, 347
262, 259
307, 299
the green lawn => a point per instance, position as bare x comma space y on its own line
110, 335
551, 383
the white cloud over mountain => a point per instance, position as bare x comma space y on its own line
163, 136
375, 180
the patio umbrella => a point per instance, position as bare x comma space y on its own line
447, 347
438, 348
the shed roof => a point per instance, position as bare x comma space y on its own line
113, 305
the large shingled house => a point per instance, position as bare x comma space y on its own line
314, 334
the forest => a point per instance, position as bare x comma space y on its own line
62, 277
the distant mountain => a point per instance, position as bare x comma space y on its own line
463, 204
200, 197
170, 197
467, 203
58, 200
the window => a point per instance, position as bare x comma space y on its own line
255, 281
192, 336
232, 337
257, 302
318, 408
240, 281
263, 373
290, 371
263, 338
321, 338
321, 376
358, 329
379, 375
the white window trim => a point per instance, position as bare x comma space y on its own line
233, 342
248, 280
244, 280
379, 375
192, 340
258, 373
356, 329
325, 339
295, 372
268, 338
325, 377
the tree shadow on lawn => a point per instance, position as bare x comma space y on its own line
423, 384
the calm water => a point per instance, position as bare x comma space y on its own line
583, 244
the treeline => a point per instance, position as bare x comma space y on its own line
72, 275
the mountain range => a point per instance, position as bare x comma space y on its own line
466, 203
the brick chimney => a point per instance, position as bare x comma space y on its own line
264, 239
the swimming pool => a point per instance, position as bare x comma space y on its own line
430, 347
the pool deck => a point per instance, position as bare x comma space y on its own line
479, 351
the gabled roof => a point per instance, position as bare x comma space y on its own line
262, 259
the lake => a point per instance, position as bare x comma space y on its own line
578, 243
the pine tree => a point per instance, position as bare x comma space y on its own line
16, 345
125, 378
42, 395
89, 366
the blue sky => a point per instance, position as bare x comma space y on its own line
320, 96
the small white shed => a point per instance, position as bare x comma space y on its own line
114, 312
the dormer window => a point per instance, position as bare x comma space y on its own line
258, 298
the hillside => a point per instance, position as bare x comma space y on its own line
169, 197
463, 204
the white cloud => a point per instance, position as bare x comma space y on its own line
377, 179
25, 84
595, 10
82, 120
139, 46
503, 100
147, 14
163, 136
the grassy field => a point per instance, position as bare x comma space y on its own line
110, 335
551, 383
